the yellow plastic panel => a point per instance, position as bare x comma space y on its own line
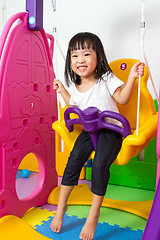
12, 227
81, 195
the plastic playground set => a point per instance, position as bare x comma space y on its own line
30, 129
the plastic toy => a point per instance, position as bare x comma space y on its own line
92, 121
133, 144
131, 174
29, 162
12, 227
35, 14
152, 230
28, 109
25, 173
62, 150
158, 148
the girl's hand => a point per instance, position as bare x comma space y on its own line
57, 85
123, 95
137, 69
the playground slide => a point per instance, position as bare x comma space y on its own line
152, 230
18, 229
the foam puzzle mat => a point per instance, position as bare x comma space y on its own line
113, 224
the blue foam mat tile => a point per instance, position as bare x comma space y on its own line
72, 227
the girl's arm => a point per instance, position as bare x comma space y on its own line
123, 95
57, 85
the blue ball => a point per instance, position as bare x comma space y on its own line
25, 173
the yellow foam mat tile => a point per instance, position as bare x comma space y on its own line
35, 216
81, 195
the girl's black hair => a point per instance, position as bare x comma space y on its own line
86, 40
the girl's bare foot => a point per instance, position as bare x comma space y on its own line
57, 221
89, 228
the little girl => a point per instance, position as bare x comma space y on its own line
92, 85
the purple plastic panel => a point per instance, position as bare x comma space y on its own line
35, 14
92, 121
158, 145
152, 230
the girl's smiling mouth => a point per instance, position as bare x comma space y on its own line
82, 68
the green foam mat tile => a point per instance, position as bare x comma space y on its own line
110, 216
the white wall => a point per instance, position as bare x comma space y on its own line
116, 22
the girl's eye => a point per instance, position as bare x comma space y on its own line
73, 56
87, 54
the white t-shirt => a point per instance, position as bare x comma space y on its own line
99, 96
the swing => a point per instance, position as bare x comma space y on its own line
133, 144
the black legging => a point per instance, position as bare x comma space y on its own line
108, 147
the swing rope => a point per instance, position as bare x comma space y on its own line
57, 46
143, 57
55, 40
141, 60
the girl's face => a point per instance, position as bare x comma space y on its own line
84, 62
